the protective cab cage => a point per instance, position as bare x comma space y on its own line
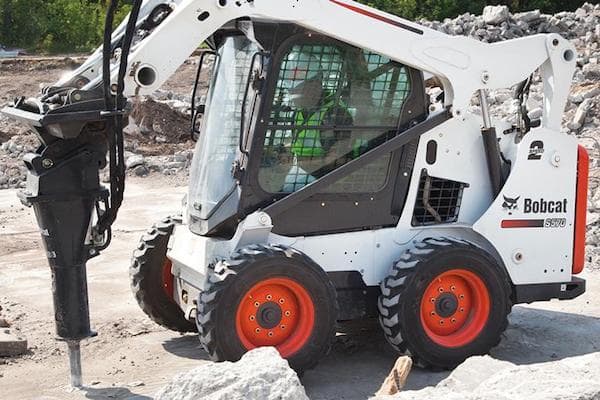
266, 122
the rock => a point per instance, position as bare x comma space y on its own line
591, 71
536, 113
132, 129
11, 345
494, 15
141, 170
483, 377
134, 160
528, 16
4, 323
261, 374
580, 114
396, 380
175, 165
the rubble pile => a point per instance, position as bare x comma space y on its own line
497, 24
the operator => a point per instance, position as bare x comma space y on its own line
314, 150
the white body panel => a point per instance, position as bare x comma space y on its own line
546, 253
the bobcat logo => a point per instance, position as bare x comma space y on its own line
510, 204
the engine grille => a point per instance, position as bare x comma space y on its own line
438, 201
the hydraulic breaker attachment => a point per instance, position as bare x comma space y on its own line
77, 129
64, 191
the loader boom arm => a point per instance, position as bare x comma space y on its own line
464, 65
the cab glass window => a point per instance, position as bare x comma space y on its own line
332, 103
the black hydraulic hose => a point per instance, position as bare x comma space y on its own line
107, 53
127, 40
114, 110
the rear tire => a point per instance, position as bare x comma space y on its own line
151, 280
268, 296
443, 301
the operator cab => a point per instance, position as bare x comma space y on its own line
285, 108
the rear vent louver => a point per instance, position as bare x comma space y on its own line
438, 201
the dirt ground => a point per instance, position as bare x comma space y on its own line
131, 357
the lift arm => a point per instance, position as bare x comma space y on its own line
464, 65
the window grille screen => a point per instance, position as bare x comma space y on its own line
331, 104
438, 201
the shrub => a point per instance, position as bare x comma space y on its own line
54, 25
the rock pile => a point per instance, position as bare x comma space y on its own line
497, 23
483, 377
12, 169
261, 374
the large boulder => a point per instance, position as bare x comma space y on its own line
495, 15
482, 377
261, 374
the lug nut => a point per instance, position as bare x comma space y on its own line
433, 299
462, 296
256, 304
432, 313
453, 320
440, 289
287, 313
270, 334
252, 318
47, 163
269, 297
453, 288
282, 327
257, 330
462, 309
281, 301
441, 322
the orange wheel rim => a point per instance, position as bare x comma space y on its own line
455, 308
276, 312
167, 278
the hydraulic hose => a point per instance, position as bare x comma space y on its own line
114, 110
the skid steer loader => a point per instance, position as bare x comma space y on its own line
325, 186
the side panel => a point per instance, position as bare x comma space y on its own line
531, 221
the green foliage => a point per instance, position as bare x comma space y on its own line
77, 25
54, 25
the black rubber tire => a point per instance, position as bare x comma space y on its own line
145, 275
227, 283
402, 291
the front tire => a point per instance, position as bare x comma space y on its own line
267, 296
151, 280
443, 301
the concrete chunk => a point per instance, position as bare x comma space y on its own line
495, 15
11, 345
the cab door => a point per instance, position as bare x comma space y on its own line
328, 103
